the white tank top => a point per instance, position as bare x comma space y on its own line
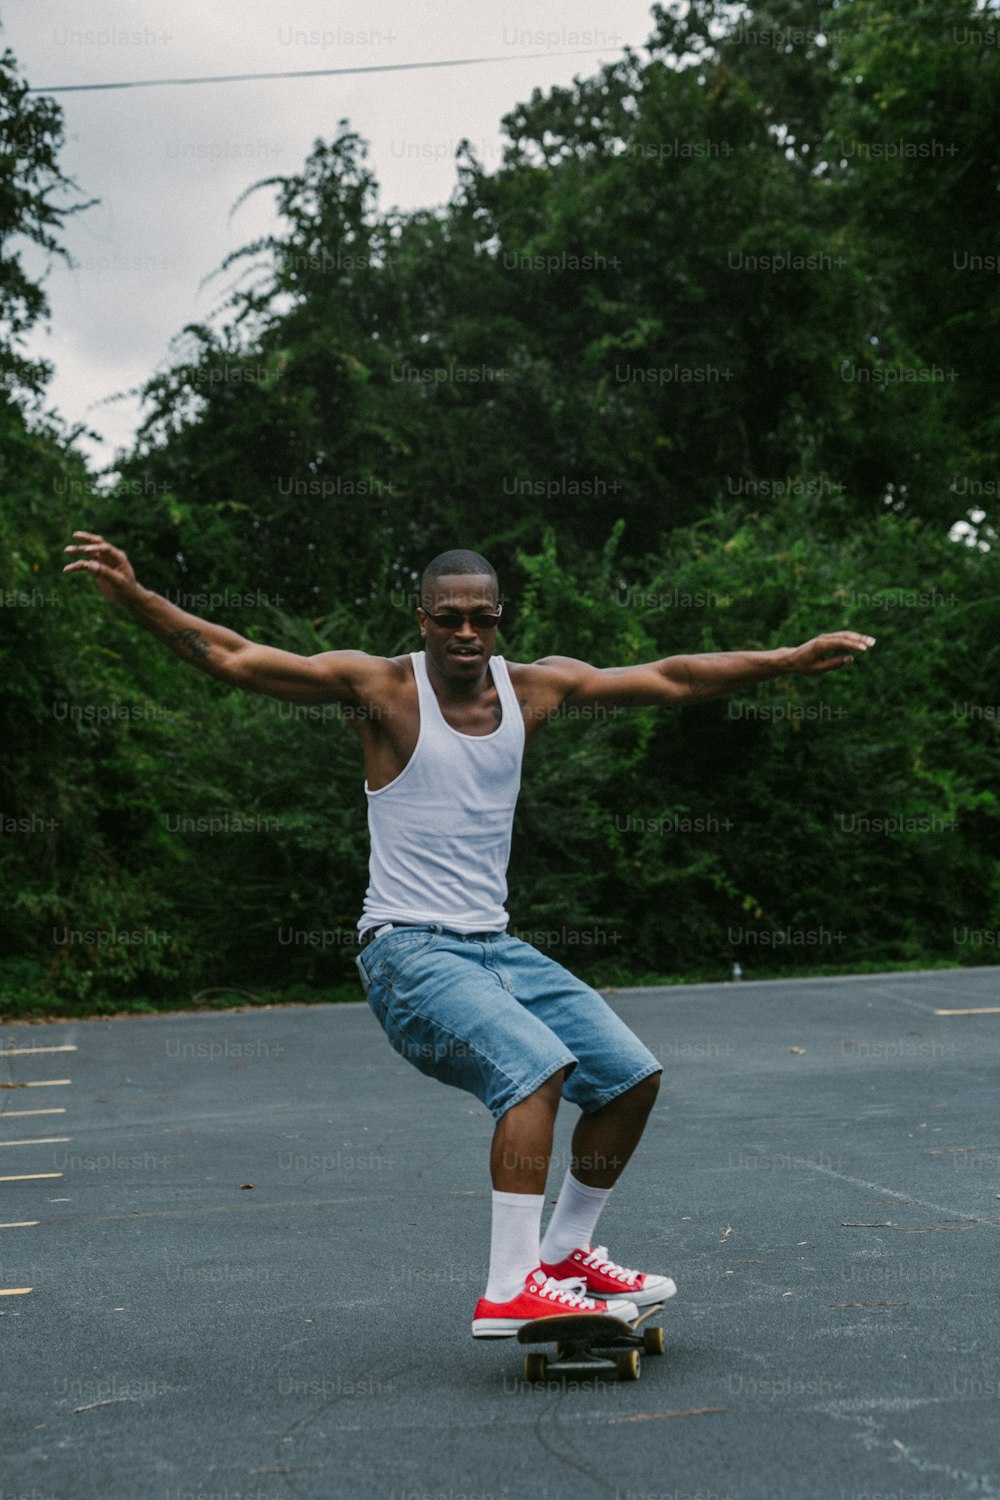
440, 832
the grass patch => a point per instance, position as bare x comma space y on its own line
24, 997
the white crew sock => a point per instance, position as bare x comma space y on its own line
517, 1220
573, 1220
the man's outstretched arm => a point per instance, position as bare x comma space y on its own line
331, 676
679, 680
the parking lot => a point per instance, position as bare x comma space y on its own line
240, 1253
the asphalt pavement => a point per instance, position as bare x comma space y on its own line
240, 1252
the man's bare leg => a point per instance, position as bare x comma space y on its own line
602, 1144
604, 1141
519, 1163
522, 1141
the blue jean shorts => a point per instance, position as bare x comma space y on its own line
488, 1013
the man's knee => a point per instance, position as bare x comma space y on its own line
642, 1095
544, 1099
548, 1093
552, 1088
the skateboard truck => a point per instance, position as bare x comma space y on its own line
589, 1343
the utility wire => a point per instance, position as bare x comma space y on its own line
453, 62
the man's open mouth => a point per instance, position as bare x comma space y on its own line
467, 651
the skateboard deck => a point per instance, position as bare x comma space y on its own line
586, 1342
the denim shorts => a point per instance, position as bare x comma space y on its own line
488, 1013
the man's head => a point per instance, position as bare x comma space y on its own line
460, 596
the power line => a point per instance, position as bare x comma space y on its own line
453, 62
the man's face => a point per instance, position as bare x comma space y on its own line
453, 625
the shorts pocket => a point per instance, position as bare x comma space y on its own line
395, 950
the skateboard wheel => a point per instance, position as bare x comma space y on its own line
627, 1364
535, 1367
653, 1341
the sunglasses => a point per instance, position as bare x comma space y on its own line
453, 619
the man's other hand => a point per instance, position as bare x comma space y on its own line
107, 565
824, 653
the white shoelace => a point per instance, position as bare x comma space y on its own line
598, 1258
570, 1292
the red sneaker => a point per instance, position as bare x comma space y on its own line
603, 1277
541, 1297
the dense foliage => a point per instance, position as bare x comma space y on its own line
707, 364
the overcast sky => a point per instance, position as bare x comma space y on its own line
168, 163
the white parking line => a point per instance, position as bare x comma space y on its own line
38, 1140
20, 1114
37, 1083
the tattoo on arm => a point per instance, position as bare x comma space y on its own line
695, 685
191, 639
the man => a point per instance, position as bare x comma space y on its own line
443, 733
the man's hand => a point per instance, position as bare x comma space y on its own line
107, 565
815, 656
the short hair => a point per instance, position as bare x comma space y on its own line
458, 562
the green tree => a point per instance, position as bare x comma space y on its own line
320, 436
31, 189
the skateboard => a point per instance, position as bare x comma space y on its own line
588, 1343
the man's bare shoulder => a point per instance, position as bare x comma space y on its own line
392, 667
366, 674
544, 683
546, 671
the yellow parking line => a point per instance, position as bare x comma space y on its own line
38, 1140
980, 1010
21, 1224
25, 1051
14, 1291
30, 1176
37, 1083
